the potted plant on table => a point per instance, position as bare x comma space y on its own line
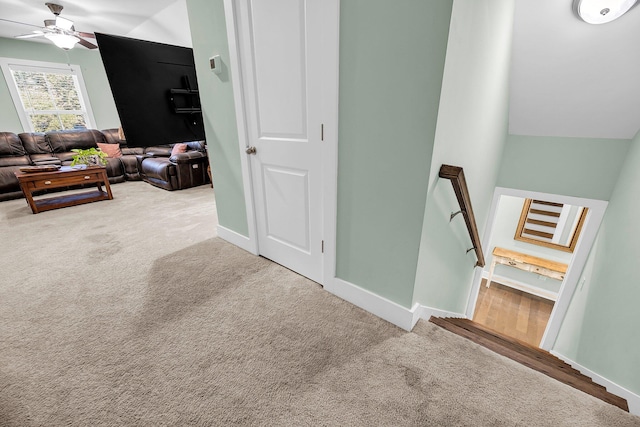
89, 157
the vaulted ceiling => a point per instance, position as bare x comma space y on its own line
568, 78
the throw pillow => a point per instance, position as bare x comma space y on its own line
112, 150
179, 148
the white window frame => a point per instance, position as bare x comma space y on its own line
8, 64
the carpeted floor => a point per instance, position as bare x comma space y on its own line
132, 312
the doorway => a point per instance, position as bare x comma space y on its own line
517, 301
285, 54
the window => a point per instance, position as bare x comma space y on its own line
47, 96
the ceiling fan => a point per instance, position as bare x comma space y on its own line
59, 30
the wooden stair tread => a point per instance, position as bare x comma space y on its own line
520, 346
529, 356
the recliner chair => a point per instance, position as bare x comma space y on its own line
175, 172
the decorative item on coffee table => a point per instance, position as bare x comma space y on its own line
89, 157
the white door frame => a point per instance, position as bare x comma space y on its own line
580, 254
331, 26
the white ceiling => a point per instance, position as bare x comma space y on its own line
574, 79
568, 78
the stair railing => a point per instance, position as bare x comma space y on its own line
456, 175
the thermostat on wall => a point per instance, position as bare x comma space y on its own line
216, 64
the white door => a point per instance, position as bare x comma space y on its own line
281, 47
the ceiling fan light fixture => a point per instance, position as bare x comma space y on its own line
602, 11
63, 41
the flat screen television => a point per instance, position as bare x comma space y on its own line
155, 90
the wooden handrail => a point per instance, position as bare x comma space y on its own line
456, 175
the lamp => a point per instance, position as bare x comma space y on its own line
602, 11
63, 41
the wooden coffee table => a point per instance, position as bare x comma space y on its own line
31, 182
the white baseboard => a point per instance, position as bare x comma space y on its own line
390, 311
632, 399
237, 239
374, 304
427, 312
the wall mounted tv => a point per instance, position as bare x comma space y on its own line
155, 90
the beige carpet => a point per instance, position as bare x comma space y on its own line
131, 312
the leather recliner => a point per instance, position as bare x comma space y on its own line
175, 172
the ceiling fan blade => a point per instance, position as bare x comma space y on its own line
83, 34
86, 44
28, 36
21, 23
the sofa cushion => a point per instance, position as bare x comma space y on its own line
111, 150
10, 145
15, 161
66, 140
134, 151
178, 149
8, 181
35, 143
45, 159
113, 136
159, 151
114, 168
130, 164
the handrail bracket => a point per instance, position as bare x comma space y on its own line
456, 175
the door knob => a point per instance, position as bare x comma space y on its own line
251, 150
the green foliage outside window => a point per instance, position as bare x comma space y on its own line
51, 100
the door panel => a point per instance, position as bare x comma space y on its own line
281, 48
280, 68
287, 218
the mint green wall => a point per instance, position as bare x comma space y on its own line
471, 132
209, 35
391, 62
608, 342
95, 79
570, 333
580, 167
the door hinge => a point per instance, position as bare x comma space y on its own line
323, 246
322, 132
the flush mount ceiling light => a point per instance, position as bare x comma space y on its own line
601, 11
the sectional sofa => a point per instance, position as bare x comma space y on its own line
164, 166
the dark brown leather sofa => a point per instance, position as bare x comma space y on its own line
13, 156
62, 142
155, 165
